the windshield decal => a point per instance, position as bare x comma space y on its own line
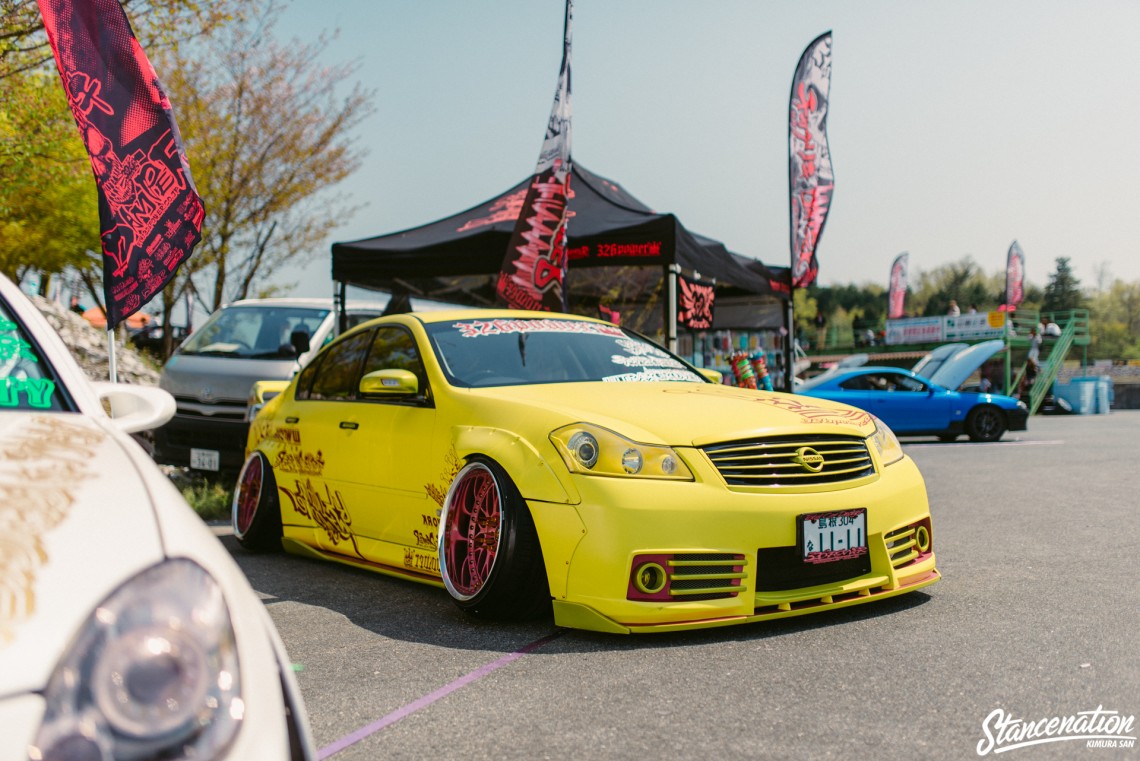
642, 354
646, 361
37, 391
648, 375
13, 352
475, 328
11, 345
639, 348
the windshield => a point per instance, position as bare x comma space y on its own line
27, 381
253, 332
511, 352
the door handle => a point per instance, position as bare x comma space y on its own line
349, 425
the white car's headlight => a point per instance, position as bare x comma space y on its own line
153, 673
885, 443
598, 451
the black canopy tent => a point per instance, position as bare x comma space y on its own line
458, 258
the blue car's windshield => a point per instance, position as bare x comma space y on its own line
509, 352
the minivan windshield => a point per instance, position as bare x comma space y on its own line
512, 352
253, 332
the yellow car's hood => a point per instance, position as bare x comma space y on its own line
677, 414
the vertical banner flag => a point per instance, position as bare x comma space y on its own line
533, 275
150, 214
896, 296
1014, 277
810, 177
695, 300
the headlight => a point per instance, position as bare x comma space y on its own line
260, 393
597, 451
153, 673
885, 443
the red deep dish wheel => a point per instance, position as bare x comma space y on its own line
249, 494
472, 529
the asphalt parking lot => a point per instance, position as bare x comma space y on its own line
1038, 614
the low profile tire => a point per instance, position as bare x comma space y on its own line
985, 423
256, 514
489, 555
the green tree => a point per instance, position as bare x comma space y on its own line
48, 200
1063, 291
961, 281
24, 46
268, 133
49, 217
1115, 321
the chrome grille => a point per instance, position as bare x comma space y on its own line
774, 462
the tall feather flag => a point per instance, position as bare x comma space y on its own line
150, 214
896, 295
810, 177
533, 275
1014, 277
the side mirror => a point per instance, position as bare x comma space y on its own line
300, 341
135, 408
389, 383
711, 375
260, 393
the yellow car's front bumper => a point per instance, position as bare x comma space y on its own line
591, 548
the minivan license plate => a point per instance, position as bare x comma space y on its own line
204, 459
828, 537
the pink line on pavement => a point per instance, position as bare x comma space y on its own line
407, 710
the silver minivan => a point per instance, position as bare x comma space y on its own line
212, 372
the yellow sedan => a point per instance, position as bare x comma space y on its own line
533, 461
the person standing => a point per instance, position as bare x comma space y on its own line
953, 311
1035, 346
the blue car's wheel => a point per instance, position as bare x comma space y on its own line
489, 554
985, 423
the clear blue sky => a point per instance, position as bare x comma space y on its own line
955, 128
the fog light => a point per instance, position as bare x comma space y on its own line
922, 538
650, 578
631, 461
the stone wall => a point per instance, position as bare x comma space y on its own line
88, 345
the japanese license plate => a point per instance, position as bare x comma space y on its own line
204, 459
830, 537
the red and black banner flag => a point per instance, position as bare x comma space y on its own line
695, 300
1014, 277
896, 295
810, 177
534, 268
150, 215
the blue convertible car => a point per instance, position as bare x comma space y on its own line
927, 402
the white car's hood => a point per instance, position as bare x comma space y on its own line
68, 493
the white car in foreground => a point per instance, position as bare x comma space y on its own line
126, 629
